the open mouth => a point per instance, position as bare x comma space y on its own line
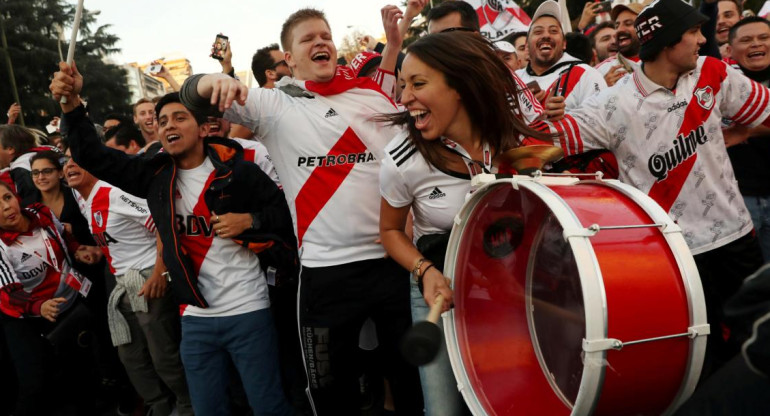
214, 127
171, 138
73, 175
321, 57
756, 54
624, 39
546, 46
420, 117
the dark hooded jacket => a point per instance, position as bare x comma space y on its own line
238, 187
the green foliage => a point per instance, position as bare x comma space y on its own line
30, 28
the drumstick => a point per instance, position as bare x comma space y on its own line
73, 38
422, 341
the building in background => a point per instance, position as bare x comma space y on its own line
142, 85
177, 64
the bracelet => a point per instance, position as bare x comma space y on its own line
425, 271
417, 265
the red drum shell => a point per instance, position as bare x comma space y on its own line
524, 302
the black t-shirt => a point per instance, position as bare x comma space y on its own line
751, 159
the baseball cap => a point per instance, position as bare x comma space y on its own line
504, 46
634, 8
548, 8
663, 21
365, 61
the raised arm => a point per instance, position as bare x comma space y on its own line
110, 165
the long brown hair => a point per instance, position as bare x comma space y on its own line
486, 86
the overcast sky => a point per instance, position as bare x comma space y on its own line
151, 29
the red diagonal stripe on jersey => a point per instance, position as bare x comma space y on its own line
101, 207
324, 182
198, 244
666, 191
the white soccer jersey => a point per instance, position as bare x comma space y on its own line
531, 109
669, 144
122, 227
327, 150
255, 152
582, 81
407, 178
229, 275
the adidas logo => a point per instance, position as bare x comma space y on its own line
330, 113
25, 256
436, 193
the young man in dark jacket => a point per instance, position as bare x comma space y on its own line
214, 213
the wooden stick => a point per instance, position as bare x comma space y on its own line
435, 310
73, 39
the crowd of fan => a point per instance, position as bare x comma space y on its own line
190, 246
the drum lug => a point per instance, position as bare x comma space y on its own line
598, 345
699, 330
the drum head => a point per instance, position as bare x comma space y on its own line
518, 319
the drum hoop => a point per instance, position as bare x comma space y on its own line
696, 300
591, 283
594, 298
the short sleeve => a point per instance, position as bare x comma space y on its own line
252, 114
131, 207
393, 187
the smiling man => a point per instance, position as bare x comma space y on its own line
220, 220
318, 127
551, 66
729, 13
144, 118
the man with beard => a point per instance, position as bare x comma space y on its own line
551, 67
627, 42
269, 66
602, 38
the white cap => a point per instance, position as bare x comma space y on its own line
553, 9
504, 46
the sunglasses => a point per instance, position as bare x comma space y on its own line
457, 29
277, 64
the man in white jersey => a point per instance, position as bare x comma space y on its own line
551, 66
214, 213
675, 151
143, 318
320, 132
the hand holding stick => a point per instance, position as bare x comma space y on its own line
73, 38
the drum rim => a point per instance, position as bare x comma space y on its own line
596, 314
696, 299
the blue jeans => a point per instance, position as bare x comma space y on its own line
439, 388
208, 345
759, 208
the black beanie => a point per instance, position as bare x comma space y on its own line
662, 22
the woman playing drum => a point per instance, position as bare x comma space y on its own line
461, 114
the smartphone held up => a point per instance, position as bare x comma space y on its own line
219, 47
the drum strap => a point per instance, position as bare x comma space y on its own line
475, 167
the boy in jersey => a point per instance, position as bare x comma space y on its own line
320, 132
143, 318
213, 212
663, 123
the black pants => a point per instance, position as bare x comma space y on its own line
722, 272
334, 303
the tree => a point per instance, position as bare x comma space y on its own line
31, 31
